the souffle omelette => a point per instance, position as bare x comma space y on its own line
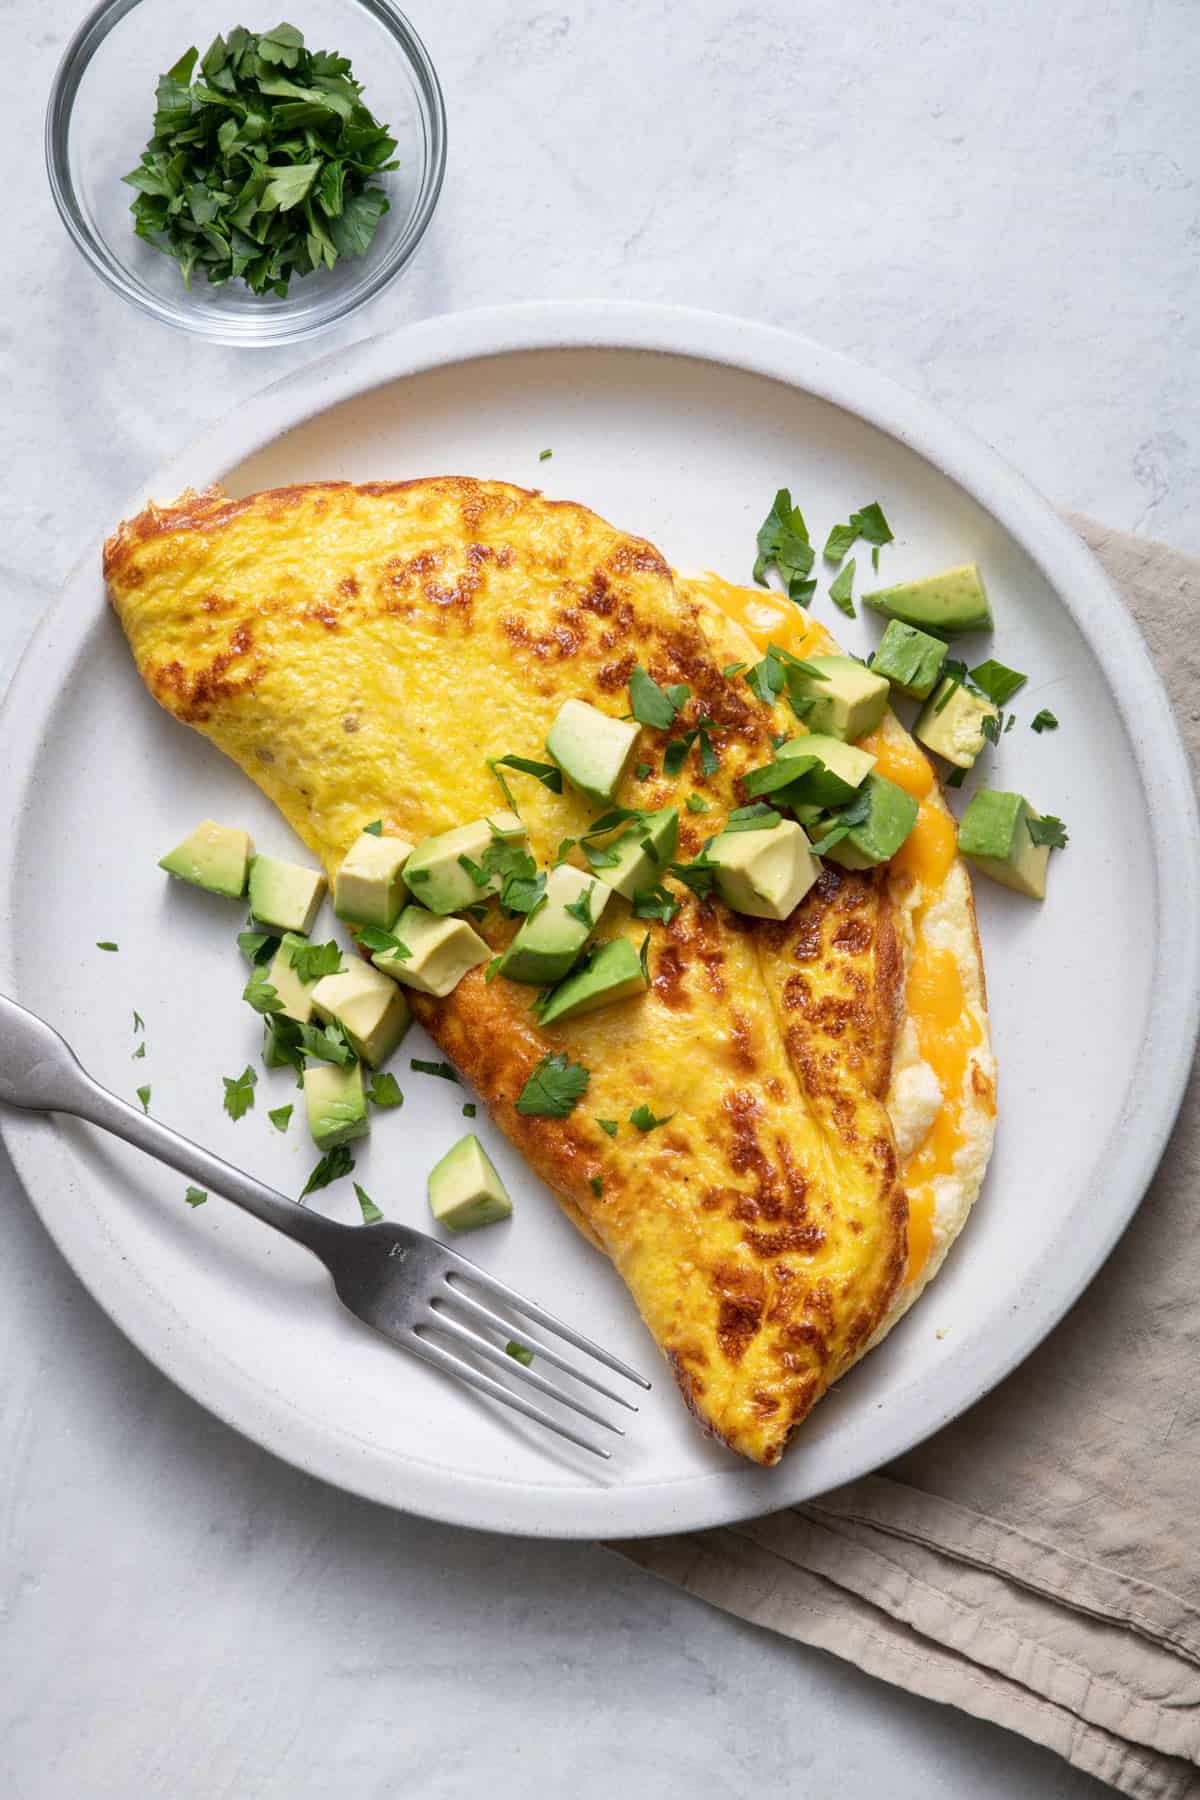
819, 1086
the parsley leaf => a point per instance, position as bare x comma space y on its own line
642, 771
954, 673
519, 1352
371, 1214
139, 1052
375, 828
644, 1119
1047, 830
492, 970
732, 669
611, 1126
991, 727
956, 779
554, 1089
869, 524
545, 455
382, 943
765, 679
783, 540
469, 1109
699, 875
333, 1165
195, 1196
239, 1092
581, 908
259, 993
330, 1045
753, 818
696, 803
143, 1094
259, 946
1044, 721
385, 1090
281, 1046
775, 775
675, 754
651, 704
522, 884
139, 1024
596, 1185
997, 682
656, 903
840, 589
546, 773
106, 944
433, 1068
312, 961
280, 1117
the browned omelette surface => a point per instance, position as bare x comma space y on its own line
361, 652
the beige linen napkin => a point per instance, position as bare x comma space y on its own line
1038, 1562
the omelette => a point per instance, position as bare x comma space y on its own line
823, 1087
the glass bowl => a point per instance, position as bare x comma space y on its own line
101, 113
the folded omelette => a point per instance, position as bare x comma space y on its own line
827, 1082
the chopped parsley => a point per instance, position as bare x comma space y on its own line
520, 1352
996, 681
656, 903
442, 1069
469, 1109
259, 946
1047, 830
581, 909
992, 726
783, 541
239, 1092
554, 1089
644, 958
106, 944
642, 771
549, 776
875, 558
522, 884
653, 705
280, 1117
753, 818
385, 1090
330, 1045
610, 1126
1044, 721
312, 961
375, 828
260, 994
644, 1119
732, 669
478, 874
143, 1094
775, 775
955, 673
382, 943
284, 1044
696, 803
138, 1053
371, 1214
195, 1196
492, 970
139, 1024
956, 779
869, 524
596, 1185
333, 1165
840, 589
545, 455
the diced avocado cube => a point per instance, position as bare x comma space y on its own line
891, 815
215, 857
552, 936
440, 950
438, 872
955, 600
591, 748
848, 702
951, 722
910, 659
283, 977
643, 851
840, 772
994, 835
465, 1191
285, 895
612, 972
369, 888
335, 1103
370, 1009
764, 873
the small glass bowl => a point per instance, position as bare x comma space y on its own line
101, 114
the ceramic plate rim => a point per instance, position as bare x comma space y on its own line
1080, 586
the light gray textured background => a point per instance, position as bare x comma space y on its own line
996, 204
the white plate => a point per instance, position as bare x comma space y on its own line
679, 425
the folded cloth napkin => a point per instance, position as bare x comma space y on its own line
1038, 1562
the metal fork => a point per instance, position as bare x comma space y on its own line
404, 1284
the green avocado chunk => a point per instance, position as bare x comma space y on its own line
955, 600
369, 887
438, 872
371, 1010
335, 1103
591, 748
440, 952
612, 972
284, 894
848, 702
214, 857
994, 835
764, 873
951, 722
910, 659
643, 851
891, 815
285, 979
840, 772
465, 1191
552, 936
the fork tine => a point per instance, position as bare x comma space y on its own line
499, 1291
500, 1359
488, 1317
446, 1360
